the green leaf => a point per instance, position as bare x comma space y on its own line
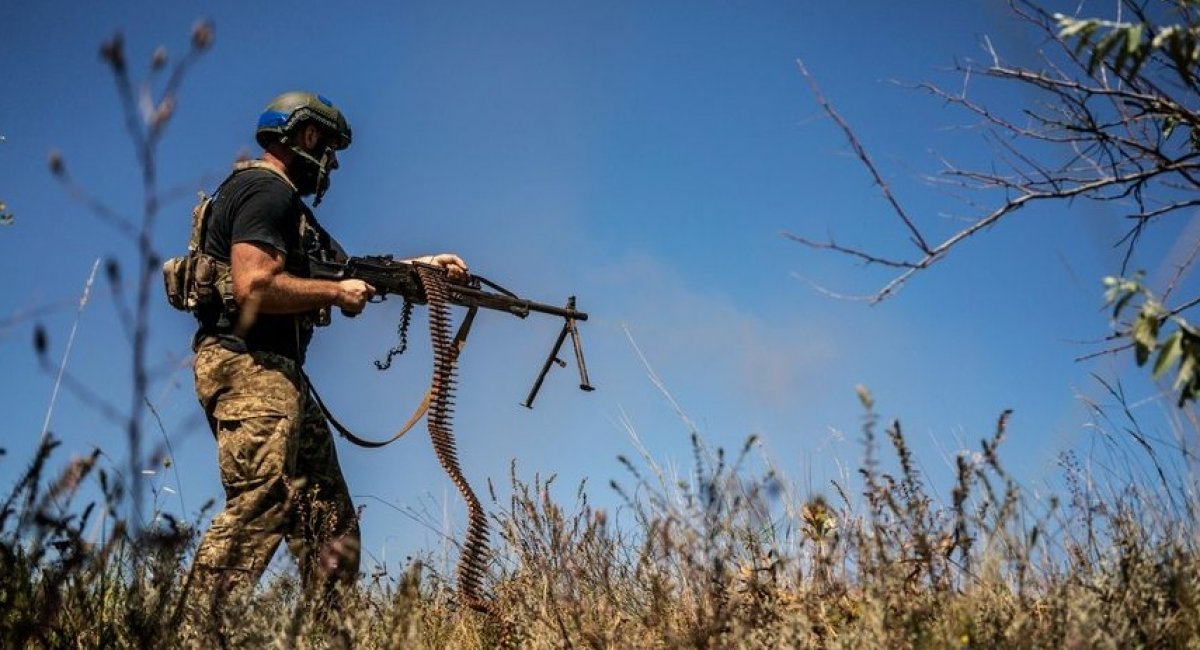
1187, 372
1169, 353
1123, 52
1168, 127
1164, 36
1069, 26
1120, 304
1138, 52
1190, 393
1190, 390
1121, 291
1133, 39
1145, 336
1145, 330
1084, 30
1101, 50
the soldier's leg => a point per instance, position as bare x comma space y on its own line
254, 402
324, 536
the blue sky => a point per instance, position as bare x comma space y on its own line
643, 156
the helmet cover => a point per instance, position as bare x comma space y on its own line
291, 109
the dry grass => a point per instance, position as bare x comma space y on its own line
722, 559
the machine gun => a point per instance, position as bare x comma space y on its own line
390, 276
420, 283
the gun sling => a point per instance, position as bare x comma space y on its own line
457, 345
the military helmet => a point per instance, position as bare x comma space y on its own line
291, 109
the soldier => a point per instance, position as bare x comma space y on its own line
277, 459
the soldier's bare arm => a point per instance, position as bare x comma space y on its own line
259, 279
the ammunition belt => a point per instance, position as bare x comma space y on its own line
472, 561
438, 409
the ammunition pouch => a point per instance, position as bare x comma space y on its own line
175, 280
198, 281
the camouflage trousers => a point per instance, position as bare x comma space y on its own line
280, 472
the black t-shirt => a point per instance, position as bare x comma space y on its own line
256, 205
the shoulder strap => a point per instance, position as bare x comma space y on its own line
199, 222
305, 221
243, 165
203, 208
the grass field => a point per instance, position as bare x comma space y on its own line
730, 556
725, 559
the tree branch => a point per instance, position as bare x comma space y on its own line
917, 238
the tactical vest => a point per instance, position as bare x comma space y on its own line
198, 281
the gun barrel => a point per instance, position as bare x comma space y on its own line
516, 306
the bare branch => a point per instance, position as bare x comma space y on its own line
1128, 136
999, 213
830, 293
853, 252
1184, 307
1110, 351
917, 239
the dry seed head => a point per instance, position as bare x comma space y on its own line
39, 340
159, 59
55, 161
163, 113
112, 269
75, 472
113, 51
818, 520
202, 34
864, 396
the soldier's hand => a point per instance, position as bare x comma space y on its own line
353, 295
455, 267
